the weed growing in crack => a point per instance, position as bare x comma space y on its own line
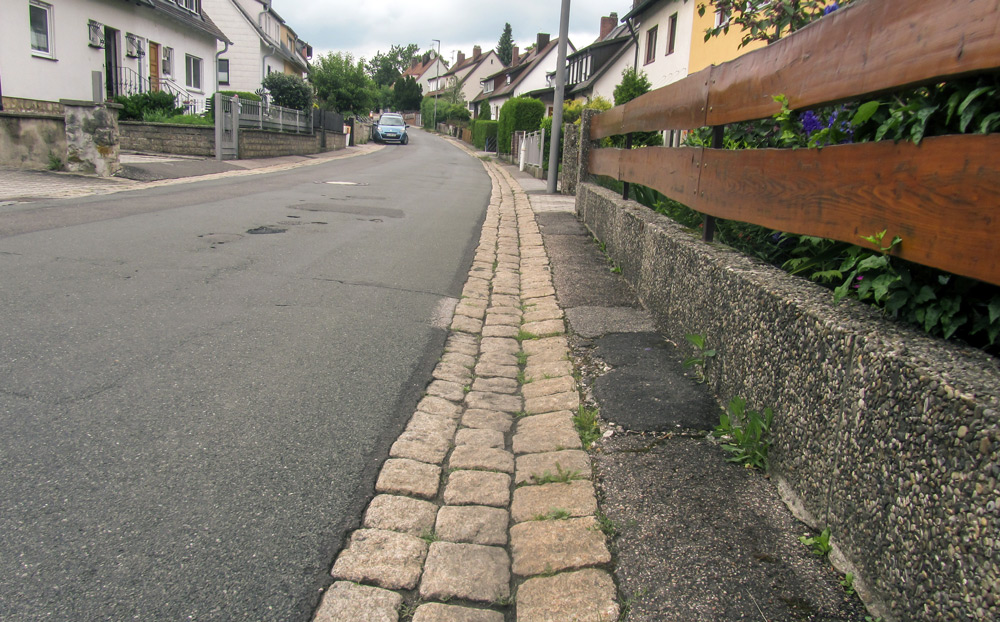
560, 476
523, 335
745, 434
585, 421
553, 514
605, 524
820, 544
701, 356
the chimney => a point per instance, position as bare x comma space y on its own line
460, 59
543, 40
477, 52
514, 55
607, 25
413, 63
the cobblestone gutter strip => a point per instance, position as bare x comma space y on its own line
484, 511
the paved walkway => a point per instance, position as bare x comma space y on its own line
486, 510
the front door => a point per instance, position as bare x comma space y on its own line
112, 79
154, 66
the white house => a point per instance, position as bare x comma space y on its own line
467, 73
427, 73
262, 43
529, 73
664, 29
91, 50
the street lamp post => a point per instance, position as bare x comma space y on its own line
437, 81
558, 96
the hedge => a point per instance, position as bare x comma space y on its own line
518, 114
481, 130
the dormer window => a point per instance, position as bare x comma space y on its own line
190, 5
508, 78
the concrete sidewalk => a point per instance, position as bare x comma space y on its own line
150, 171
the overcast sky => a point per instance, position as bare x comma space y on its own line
363, 27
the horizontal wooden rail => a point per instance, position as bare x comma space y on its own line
941, 197
867, 48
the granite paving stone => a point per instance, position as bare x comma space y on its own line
403, 476
547, 369
548, 386
403, 514
466, 324
496, 385
439, 406
582, 596
467, 571
345, 600
476, 312
386, 558
577, 498
481, 459
488, 420
529, 468
478, 488
551, 403
503, 319
499, 344
503, 300
541, 315
546, 327
467, 361
452, 372
500, 331
547, 546
546, 345
473, 524
548, 432
494, 401
438, 612
479, 438
486, 369
451, 391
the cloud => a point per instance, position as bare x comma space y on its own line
376, 25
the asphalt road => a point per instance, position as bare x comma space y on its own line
191, 415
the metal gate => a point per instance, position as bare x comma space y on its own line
227, 127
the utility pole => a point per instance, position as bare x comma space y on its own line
557, 102
437, 80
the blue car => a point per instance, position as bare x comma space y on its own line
390, 129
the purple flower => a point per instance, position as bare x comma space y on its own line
810, 122
830, 8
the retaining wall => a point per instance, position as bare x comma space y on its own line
264, 144
193, 140
886, 435
29, 140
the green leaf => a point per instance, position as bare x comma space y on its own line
952, 325
696, 340
875, 262
972, 96
865, 112
994, 309
881, 285
988, 121
931, 318
925, 294
918, 129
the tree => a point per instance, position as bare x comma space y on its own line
341, 84
769, 20
288, 90
505, 47
407, 94
385, 69
484, 110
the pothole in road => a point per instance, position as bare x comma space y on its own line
218, 239
265, 229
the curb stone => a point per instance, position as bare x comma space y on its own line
487, 559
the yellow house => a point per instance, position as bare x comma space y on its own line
719, 49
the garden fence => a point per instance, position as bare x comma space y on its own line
942, 197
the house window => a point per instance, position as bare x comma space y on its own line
488, 86
167, 61
190, 5
95, 34
40, 18
721, 18
651, 44
223, 71
192, 72
672, 33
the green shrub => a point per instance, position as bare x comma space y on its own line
484, 110
481, 130
136, 106
288, 90
516, 115
454, 114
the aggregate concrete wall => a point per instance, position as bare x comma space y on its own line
173, 138
886, 435
27, 140
264, 144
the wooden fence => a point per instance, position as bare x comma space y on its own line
941, 197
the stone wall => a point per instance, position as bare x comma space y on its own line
264, 144
18, 104
889, 437
193, 140
31, 140
92, 139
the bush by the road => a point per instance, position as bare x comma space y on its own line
516, 115
483, 129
